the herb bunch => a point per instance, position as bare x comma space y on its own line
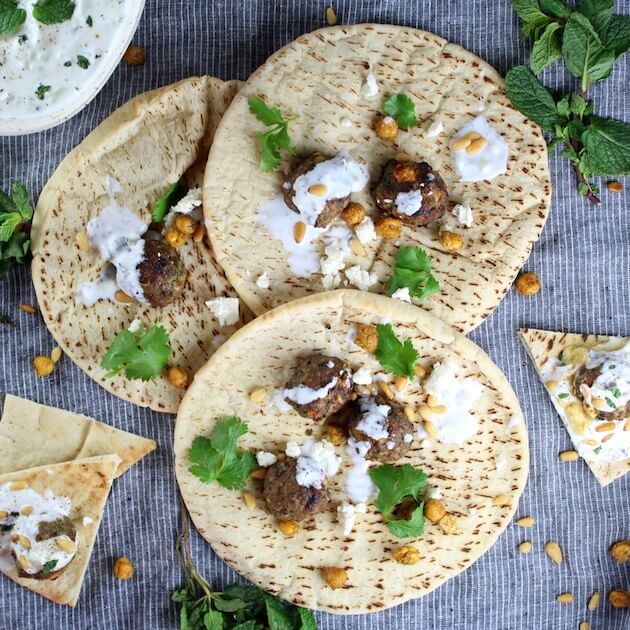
15, 218
588, 39
238, 607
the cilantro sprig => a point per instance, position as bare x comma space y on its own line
396, 357
588, 39
399, 500
276, 138
53, 11
412, 270
11, 18
401, 108
173, 193
140, 355
15, 216
239, 606
217, 458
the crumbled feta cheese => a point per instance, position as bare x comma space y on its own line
317, 462
365, 231
345, 122
333, 260
87, 520
331, 281
370, 88
346, 515
390, 445
224, 309
360, 278
293, 449
266, 459
263, 281
463, 213
186, 205
434, 493
402, 294
407, 438
363, 376
135, 326
436, 128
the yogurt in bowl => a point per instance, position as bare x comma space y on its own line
48, 72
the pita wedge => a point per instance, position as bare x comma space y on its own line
588, 380
58, 509
118, 173
54, 436
472, 445
332, 84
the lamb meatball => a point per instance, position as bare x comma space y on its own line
319, 386
412, 192
162, 272
333, 207
587, 376
285, 498
384, 425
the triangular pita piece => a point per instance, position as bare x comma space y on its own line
86, 483
608, 457
36, 435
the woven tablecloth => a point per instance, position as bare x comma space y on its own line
583, 260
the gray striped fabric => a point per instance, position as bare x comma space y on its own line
584, 263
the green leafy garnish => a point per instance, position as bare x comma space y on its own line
11, 18
53, 11
607, 146
274, 139
597, 450
616, 392
167, 200
238, 607
83, 62
41, 91
401, 108
611, 403
412, 269
563, 395
217, 459
141, 355
89, 21
399, 498
612, 366
15, 216
49, 566
396, 357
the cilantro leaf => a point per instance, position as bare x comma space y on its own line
401, 108
83, 62
174, 193
547, 48
11, 18
274, 139
398, 486
48, 567
217, 458
412, 269
607, 144
53, 11
396, 357
142, 354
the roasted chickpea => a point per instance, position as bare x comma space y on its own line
386, 128
367, 337
528, 283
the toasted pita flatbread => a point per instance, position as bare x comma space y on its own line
545, 347
37, 435
493, 462
86, 483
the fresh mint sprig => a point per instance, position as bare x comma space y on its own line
16, 213
589, 39
11, 18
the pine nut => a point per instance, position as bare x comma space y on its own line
400, 382
289, 528
121, 296
591, 442
615, 187
593, 601
501, 500
473, 135
319, 190
551, 384
568, 456
27, 510
425, 412
432, 401
565, 598
55, 354
197, 236
476, 145
258, 395
419, 370
431, 429
526, 521
299, 231
331, 16
23, 562
410, 413
83, 242
3, 515
610, 436
525, 547
386, 390
599, 403
585, 626
65, 544
259, 473
439, 409
357, 247
249, 500
24, 541
552, 549
626, 427
27, 308
461, 143
18, 485
605, 426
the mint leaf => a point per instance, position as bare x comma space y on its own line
53, 11
599, 12
173, 193
412, 270
11, 18
213, 620
8, 223
41, 91
532, 98
534, 20
401, 108
19, 194
279, 615
584, 54
83, 62
555, 8
275, 138
48, 567
607, 144
547, 48
615, 35
396, 357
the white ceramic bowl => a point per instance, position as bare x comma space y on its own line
54, 114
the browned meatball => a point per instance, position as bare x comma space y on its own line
587, 377
333, 207
408, 177
378, 416
162, 272
285, 498
317, 372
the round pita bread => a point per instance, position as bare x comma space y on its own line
493, 462
150, 142
319, 78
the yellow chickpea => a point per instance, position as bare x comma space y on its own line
175, 238
123, 568
178, 377
451, 240
43, 366
386, 128
367, 337
528, 283
335, 577
388, 227
434, 510
353, 214
407, 555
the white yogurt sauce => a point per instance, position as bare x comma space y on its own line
341, 176
358, 484
303, 395
317, 461
490, 162
104, 288
409, 202
458, 395
373, 421
225, 309
37, 54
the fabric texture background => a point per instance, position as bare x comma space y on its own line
582, 259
